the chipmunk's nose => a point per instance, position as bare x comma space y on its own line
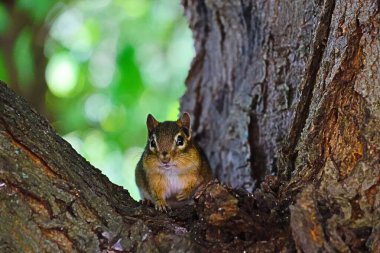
164, 157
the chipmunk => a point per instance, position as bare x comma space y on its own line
172, 166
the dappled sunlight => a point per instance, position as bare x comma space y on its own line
62, 74
102, 67
97, 107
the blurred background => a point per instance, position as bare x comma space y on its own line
95, 69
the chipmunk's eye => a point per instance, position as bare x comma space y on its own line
179, 140
152, 143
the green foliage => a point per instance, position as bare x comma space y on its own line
3, 72
23, 57
4, 19
110, 63
37, 8
4, 24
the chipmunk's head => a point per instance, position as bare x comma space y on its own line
168, 141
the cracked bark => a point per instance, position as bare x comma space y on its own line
302, 103
276, 87
254, 54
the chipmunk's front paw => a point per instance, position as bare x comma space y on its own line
161, 205
184, 195
146, 202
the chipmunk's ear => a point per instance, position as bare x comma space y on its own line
151, 123
185, 122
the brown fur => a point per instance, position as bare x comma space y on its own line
189, 168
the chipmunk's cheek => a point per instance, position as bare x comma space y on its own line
154, 160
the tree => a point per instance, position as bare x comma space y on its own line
292, 88
285, 88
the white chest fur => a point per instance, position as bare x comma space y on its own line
174, 184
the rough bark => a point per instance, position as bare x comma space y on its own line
293, 88
244, 83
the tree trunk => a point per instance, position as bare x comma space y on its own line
245, 82
293, 88
276, 87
